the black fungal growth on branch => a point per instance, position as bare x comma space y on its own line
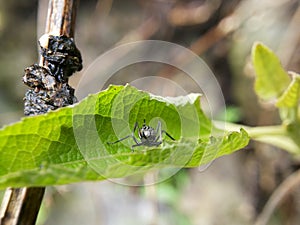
62, 56
49, 83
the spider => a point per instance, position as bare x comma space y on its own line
147, 135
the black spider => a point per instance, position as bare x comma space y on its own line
148, 135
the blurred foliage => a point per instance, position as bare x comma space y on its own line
230, 114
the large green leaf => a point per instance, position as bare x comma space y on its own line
271, 78
70, 144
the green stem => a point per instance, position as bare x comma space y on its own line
254, 132
257, 132
274, 135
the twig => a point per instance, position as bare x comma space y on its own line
61, 17
292, 182
20, 206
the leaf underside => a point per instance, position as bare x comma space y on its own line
71, 144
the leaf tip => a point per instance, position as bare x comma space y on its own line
259, 47
256, 46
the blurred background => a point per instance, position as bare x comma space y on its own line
235, 188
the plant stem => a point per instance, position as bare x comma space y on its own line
287, 187
20, 206
277, 135
254, 132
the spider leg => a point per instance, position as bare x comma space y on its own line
136, 126
128, 136
135, 140
157, 143
136, 145
158, 131
122, 139
163, 131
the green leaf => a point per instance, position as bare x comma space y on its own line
290, 97
70, 144
271, 78
289, 100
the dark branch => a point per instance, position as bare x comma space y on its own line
20, 206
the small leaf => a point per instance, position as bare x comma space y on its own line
70, 144
290, 98
288, 101
271, 78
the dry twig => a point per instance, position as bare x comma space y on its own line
20, 206
287, 187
